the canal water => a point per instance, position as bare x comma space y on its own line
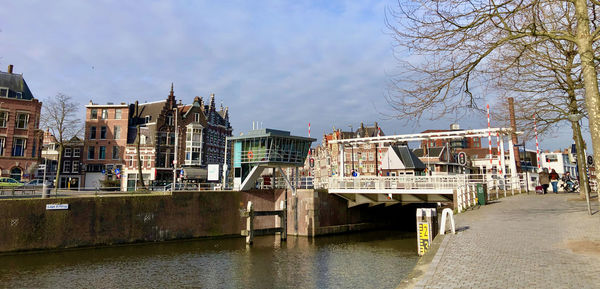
377, 259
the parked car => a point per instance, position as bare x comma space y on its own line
10, 182
36, 183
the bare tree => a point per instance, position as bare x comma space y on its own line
60, 118
548, 86
454, 42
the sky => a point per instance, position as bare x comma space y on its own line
282, 64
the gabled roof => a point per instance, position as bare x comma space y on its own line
434, 152
15, 83
408, 158
152, 109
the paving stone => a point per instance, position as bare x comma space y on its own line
519, 242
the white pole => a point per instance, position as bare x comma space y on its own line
537, 144
44, 186
175, 153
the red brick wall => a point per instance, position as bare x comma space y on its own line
32, 134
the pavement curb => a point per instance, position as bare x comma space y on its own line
421, 272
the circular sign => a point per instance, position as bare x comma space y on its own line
462, 158
250, 155
590, 160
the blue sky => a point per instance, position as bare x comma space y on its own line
280, 63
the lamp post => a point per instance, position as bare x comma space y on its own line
574, 118
352, 147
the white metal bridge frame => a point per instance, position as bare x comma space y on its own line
423, 185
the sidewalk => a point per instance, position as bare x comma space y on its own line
525, 241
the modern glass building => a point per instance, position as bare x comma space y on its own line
266, 148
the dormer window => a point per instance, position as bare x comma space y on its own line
3, 92
147, 119
196, 117
19, 95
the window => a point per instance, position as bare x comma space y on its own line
92, 132
3, 118
147, 119
117, 132
2, 142
75, 167
19, 147
22, 120
115, 153
169, 119
94, 114
102, 153
103, 132
371, 156
3, 92
91, 153
66, 166
196, 117
76, 153
33, 149
118, 114
104, 114
130, 162
67, 152
19, 95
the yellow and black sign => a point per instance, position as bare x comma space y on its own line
424, 238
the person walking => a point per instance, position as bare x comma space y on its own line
554, 180
544, 180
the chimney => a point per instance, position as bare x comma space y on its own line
513, 134
10, 68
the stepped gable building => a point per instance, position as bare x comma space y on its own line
20, 136
106, 128
216, 132
157, 123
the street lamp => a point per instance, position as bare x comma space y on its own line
574, 118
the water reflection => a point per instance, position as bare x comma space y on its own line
367, 260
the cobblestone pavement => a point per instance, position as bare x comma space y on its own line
525, 241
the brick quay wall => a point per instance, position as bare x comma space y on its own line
96, 221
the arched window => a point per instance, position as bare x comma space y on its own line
15, 173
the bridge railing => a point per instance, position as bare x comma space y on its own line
398, 182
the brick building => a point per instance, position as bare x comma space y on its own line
72, 174
106, 128
157, 122
455, 143
20, 136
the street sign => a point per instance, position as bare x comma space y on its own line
117, 171
104, 172
462, 158
213, 172
590, 160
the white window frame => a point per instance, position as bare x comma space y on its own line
75, 167
67, 152
76, 152
104, 114
6, 91
4, 122
64, 168
18, 119
118, 113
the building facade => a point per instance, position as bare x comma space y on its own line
20, 136
72, 174
106, 129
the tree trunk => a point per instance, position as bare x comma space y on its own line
58, 168
140, 179
590, 75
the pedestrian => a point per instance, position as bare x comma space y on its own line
544, 180
554, 180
